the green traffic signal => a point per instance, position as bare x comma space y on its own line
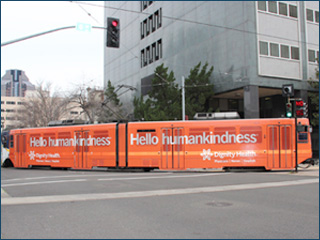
289, 110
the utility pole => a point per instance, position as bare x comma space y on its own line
183, 100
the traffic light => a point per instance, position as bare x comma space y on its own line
305, 111
289, 110
113, 32
301, 109
288, 90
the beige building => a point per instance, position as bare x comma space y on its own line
10, 107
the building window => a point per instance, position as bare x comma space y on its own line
309, 15
263, 48
158, 15
151, 53
159, 49
311, 55
149, 58
145, 4
272, 6
147, 26
283, 9
274, 49
146, 84
284, 51
2, 102
293, 11
151, 29
151, 24
295, 53
316, 16
11, 102
262, 5
142, 58
141, 30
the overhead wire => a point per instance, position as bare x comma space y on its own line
196, 22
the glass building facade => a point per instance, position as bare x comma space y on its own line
254, 47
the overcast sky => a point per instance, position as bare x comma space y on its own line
65, 58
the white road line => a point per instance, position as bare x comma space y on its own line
4, 194
163, 177
36, 183
105, 196
71, 176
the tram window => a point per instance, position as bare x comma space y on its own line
255, 132
302, 137
302, 128
97, 134
285, 137
273, 138
64, 135
4, 141
11, 141
225, 135
146, 130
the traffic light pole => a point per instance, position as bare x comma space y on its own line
43, 33
296, 131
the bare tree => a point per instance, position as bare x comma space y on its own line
99, 105
89, 100
42, 106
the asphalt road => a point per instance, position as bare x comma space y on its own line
44, 203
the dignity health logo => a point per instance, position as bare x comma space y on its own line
206, 154
33, 155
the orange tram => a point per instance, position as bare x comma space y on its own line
170, 145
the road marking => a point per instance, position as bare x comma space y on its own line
162, 177
158, 176
106, 196
70, 176
36, 183
4, 194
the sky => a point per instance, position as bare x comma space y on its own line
66, 59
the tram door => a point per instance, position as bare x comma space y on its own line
280, 146
21, 150
173, 148
81, 149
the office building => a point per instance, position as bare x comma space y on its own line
15, 83
255, 47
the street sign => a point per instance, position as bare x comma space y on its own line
83, 27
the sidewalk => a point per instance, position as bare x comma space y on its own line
310, 171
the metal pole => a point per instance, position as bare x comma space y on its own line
183, 100
296, 131
42, 33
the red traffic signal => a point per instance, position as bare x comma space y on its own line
301, 109
115, 23
113, 32
299, 103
